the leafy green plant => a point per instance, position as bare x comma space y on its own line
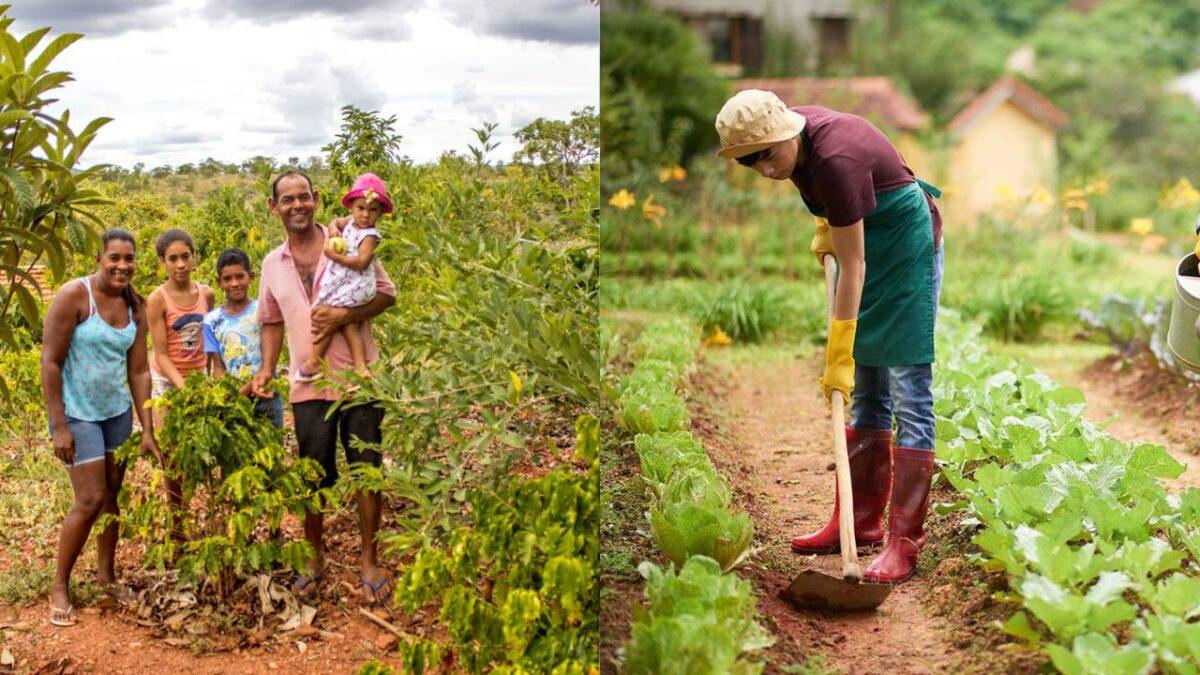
45, 207
685, 529
657, 92
1095, 548
746, 312
517, 582
699, 621
234, 461
22, 409
647, 410
1015, 309
698, 484
670, 340
660, 453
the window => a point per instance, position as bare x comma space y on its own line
719, 31
833, 34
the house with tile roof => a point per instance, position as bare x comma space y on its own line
1003, 145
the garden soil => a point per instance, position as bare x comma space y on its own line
1145, 403
111, 641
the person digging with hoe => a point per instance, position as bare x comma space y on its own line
880, 223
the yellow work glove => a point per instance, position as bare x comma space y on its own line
839, 359
821, 245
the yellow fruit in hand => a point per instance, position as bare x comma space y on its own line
337, 245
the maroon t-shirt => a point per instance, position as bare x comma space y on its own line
849, 160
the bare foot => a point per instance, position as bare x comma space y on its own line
363, 371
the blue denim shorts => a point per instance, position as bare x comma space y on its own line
95, 439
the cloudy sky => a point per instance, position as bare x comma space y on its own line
230, 79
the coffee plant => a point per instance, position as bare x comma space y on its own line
237, 481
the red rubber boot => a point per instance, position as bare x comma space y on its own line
912, 474
870, 480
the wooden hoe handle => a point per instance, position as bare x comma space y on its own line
841, 458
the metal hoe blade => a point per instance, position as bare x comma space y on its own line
816, 590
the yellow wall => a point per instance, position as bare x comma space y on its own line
1004, 152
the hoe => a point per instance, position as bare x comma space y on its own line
817, 590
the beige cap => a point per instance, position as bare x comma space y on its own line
754, 119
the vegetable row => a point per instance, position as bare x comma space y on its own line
699, 619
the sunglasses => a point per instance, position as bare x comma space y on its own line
754, 157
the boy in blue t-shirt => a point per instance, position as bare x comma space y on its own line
232, 335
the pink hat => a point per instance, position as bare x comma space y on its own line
370, 186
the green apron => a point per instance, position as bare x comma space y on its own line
896, 314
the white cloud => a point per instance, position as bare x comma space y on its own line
230, 86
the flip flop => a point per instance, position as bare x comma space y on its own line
303, 581
63, 618
374, 590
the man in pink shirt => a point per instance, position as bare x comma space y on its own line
290, 275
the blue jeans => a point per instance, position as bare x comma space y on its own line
271, 408
905, 392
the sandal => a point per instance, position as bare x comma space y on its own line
63, 618
375, 591
302, 581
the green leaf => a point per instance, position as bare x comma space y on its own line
1097, 654
1018, 626
1178, 595
56, 46
1154, 460
19, 184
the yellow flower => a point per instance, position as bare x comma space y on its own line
676, 173
1180, 195
487, 192
1152, 243
369, 195
1042, 197
1141, 226
653, 212
1098, 187
718, 338
622, 200
516, 381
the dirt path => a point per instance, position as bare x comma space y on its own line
779, 458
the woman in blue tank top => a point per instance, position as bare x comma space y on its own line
95, 375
